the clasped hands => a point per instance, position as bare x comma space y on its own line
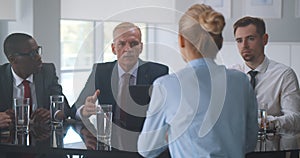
39, 116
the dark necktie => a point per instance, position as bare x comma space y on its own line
124, 97
27, 92
253, 80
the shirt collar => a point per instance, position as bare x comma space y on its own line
263, 66
18, 80
132, 71
260, 68
199, 62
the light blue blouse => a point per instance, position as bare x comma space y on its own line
204, 110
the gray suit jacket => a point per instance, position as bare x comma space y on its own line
46, 84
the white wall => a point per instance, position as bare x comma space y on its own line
295, 56
24, 20
46, 29
165, 47
41, 19
8, 10
153, 11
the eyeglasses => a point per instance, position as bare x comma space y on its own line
33, 53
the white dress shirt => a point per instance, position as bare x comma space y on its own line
18, 88
277, 86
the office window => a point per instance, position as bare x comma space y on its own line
76, 41
84, 43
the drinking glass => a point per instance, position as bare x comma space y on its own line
56, 140
262, 118
104, 127
57, 110
22, 114
22, 138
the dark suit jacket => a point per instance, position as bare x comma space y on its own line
107, 80
46, 84
104, 77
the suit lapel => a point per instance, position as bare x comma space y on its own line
9, 86
115, 80
38, 82
142, 75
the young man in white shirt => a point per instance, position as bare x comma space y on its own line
276, 85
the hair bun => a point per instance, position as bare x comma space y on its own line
212, 21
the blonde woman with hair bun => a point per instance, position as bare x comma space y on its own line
203, 110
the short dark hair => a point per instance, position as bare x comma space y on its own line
13, 42
245, 21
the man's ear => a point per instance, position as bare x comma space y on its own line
11, 59
142, 46
265, 39
181, 41
113, 48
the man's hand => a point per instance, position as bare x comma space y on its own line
40, 131
41, 116
89, 107
5, 119
11, 113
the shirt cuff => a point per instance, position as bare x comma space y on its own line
78, 113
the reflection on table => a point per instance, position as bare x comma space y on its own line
36, 135
277, 144
75, 139
278, 141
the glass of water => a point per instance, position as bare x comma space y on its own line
262, 118
104, 127
57, 110
22, 114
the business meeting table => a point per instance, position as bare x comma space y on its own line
73, 140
